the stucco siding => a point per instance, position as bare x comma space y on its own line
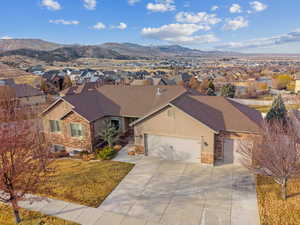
175, 123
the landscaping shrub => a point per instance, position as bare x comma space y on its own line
106, 153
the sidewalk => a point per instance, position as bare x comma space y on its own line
81, 214
158, 192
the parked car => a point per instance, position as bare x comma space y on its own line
59, 153
75, 153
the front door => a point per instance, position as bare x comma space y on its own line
232, 148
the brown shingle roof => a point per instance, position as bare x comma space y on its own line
130, 101
220, 113
23, 90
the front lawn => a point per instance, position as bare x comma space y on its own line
273, 210
86, 183
29, 218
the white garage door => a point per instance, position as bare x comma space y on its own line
231, 151
172, 148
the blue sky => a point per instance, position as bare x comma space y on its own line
271, 26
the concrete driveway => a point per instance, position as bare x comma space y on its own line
174, 193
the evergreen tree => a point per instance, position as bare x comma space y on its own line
67, 82
110, 134
228, 90
277, 111
211, 86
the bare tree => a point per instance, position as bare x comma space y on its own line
24, 154
275, 153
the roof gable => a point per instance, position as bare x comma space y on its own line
130, 101
219, 113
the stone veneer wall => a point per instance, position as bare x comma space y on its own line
64, 137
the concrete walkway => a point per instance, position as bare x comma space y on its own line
123, 156
175, 193
158, 192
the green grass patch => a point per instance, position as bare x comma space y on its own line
86, 182
29, 218
273, 210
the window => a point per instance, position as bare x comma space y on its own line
76, 130
54, 126
115, 123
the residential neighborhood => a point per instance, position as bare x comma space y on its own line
159, 112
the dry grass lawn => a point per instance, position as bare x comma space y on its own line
32, 80
273, 210
86, 183
29, 218
266, 108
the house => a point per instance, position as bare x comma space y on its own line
26, 94
168, 121
149, 81
183, 78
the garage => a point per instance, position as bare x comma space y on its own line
231, 151
173, 148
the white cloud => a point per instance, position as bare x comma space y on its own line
236, 23
90, 4
235, 8
51, 4
161, 6
6, 38
121, 26
258, 6
171, 30
193, 40
133, 2
179, 33
263, 42
200, 17
99, 26
214, 8
65, 22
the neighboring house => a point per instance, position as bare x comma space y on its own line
27, 94
183, 78
38, 70
297, 85
169, 121
152, 81
75, 76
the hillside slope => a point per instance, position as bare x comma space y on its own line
35, 44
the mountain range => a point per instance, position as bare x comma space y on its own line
49, 52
